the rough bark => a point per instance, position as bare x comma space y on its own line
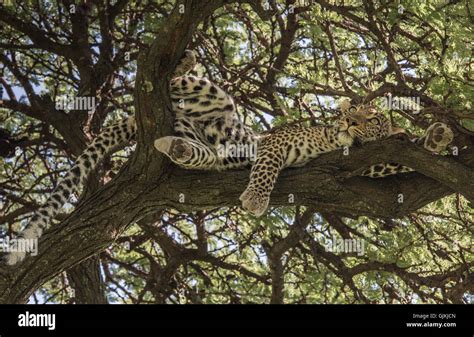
100, 219
154, 66
87, 282
275, 254
148, 182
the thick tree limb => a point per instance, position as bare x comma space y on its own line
154, 68
149, 182
100, 219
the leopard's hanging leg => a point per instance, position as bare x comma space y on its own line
265, 171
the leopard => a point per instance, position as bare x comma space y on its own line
296, 146
438, 136
206, 124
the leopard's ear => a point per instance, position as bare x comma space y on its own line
371, 109
345, 106
395, 131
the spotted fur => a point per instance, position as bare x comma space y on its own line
290, 147
297, 145
436, 139
206, 122
111, 138
206, 128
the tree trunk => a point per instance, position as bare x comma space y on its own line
148, 182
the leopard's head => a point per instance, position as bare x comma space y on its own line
364, 123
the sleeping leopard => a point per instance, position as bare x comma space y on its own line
206, 122
293, 147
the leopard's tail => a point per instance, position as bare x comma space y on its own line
109, 140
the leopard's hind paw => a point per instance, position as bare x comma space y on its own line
177, 149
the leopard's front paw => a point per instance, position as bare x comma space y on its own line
438, 137
178, 149
254, 201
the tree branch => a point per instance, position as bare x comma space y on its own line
101, 218
36, 35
